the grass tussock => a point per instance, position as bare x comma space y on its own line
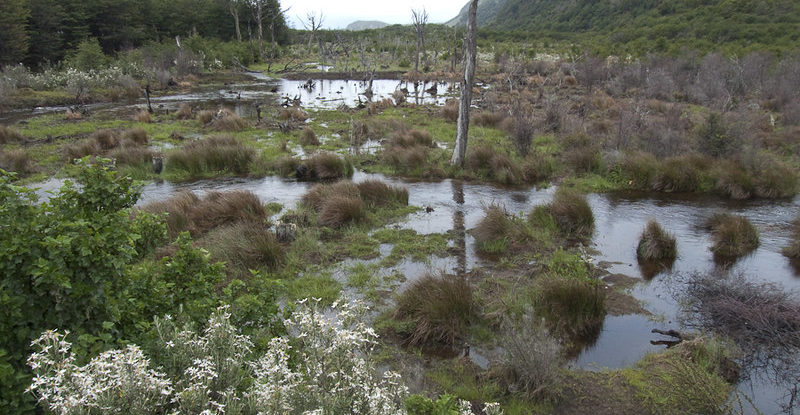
293, 114
639, 170
679, 174
17, 161
105, 139
533, 359
405, 158
81, 148
573, 307
327, 166
379, 194
410, 138
341, 210
317, 195
205, 117
571, 213
492, 232
229, 122
222, 153
244, 246
143, 116
488, 119
9, 136
187, 212
438, 308
308, 137
135, 135
450, 110
732, 235
793, 250
485, 161
774, 179
656, 244
131, 154
184, 112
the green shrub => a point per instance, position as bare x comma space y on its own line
87, 56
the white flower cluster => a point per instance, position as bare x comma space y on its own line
115, 381
322, 367
48, 79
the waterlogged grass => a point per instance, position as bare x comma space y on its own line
408, 244
357, 244
322, 286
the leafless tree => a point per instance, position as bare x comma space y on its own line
313, 23
419, 18
466, 87
233, 9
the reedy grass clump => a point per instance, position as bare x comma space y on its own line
570, 213
656, 244
185, 211
793, 250
405, 159
774, 179
293, 114
229, 121
379, 194
733, 235
499, 233
344, 202
316, 196
410, 138
438, 308
487, 119
679, 174
205, 117
572, 307
143, 116
497, 166
221, 153
339, 210
450, 110
244, 246
308, 137
327, 166
17, 161
184, 112
640, 169
9, 136
135, 135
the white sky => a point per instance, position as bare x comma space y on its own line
340, 13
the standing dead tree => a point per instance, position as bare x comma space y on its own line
233, 9
313, 23
466, 87
419, 18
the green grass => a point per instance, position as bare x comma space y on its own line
322, 286
409, 244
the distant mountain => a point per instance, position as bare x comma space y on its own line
487, 9
649, 25
366, 24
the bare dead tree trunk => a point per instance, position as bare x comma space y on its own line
419, 18
466, 87
233, 8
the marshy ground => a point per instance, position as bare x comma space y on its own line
520, 278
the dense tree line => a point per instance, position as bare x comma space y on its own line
37, 32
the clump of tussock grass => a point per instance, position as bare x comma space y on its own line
327, 166
581, 155
308, 137
105, 139
438, 308
639, 169
376, 107
410, 138
496, 166
9, 136
17, 161
221, 153
732, 235
488, 119
573, 307
229, 121
187, 212
405, 158
143, 116
71, 115
244, 246
774, 179
570, 213
793, 250
293, 114
359, 133
679, 174
450, 110
135, 135
205, 117
317, 195
184, 112
734, 180
340, 210
285, 165
656, 244
131, 154
376, 193
81, 149
537, 167
492, 232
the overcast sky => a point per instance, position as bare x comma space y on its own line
339, 13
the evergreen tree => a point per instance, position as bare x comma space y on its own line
13, 35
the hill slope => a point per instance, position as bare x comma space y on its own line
487, 10
657, 25
366, 24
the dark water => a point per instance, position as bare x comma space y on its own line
620, 219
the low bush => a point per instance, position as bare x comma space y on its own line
732, 235
308, 137
774, 179
213, 154
9, 136
656, 244
438, 308
533, 359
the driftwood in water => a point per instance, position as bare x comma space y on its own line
669, 343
